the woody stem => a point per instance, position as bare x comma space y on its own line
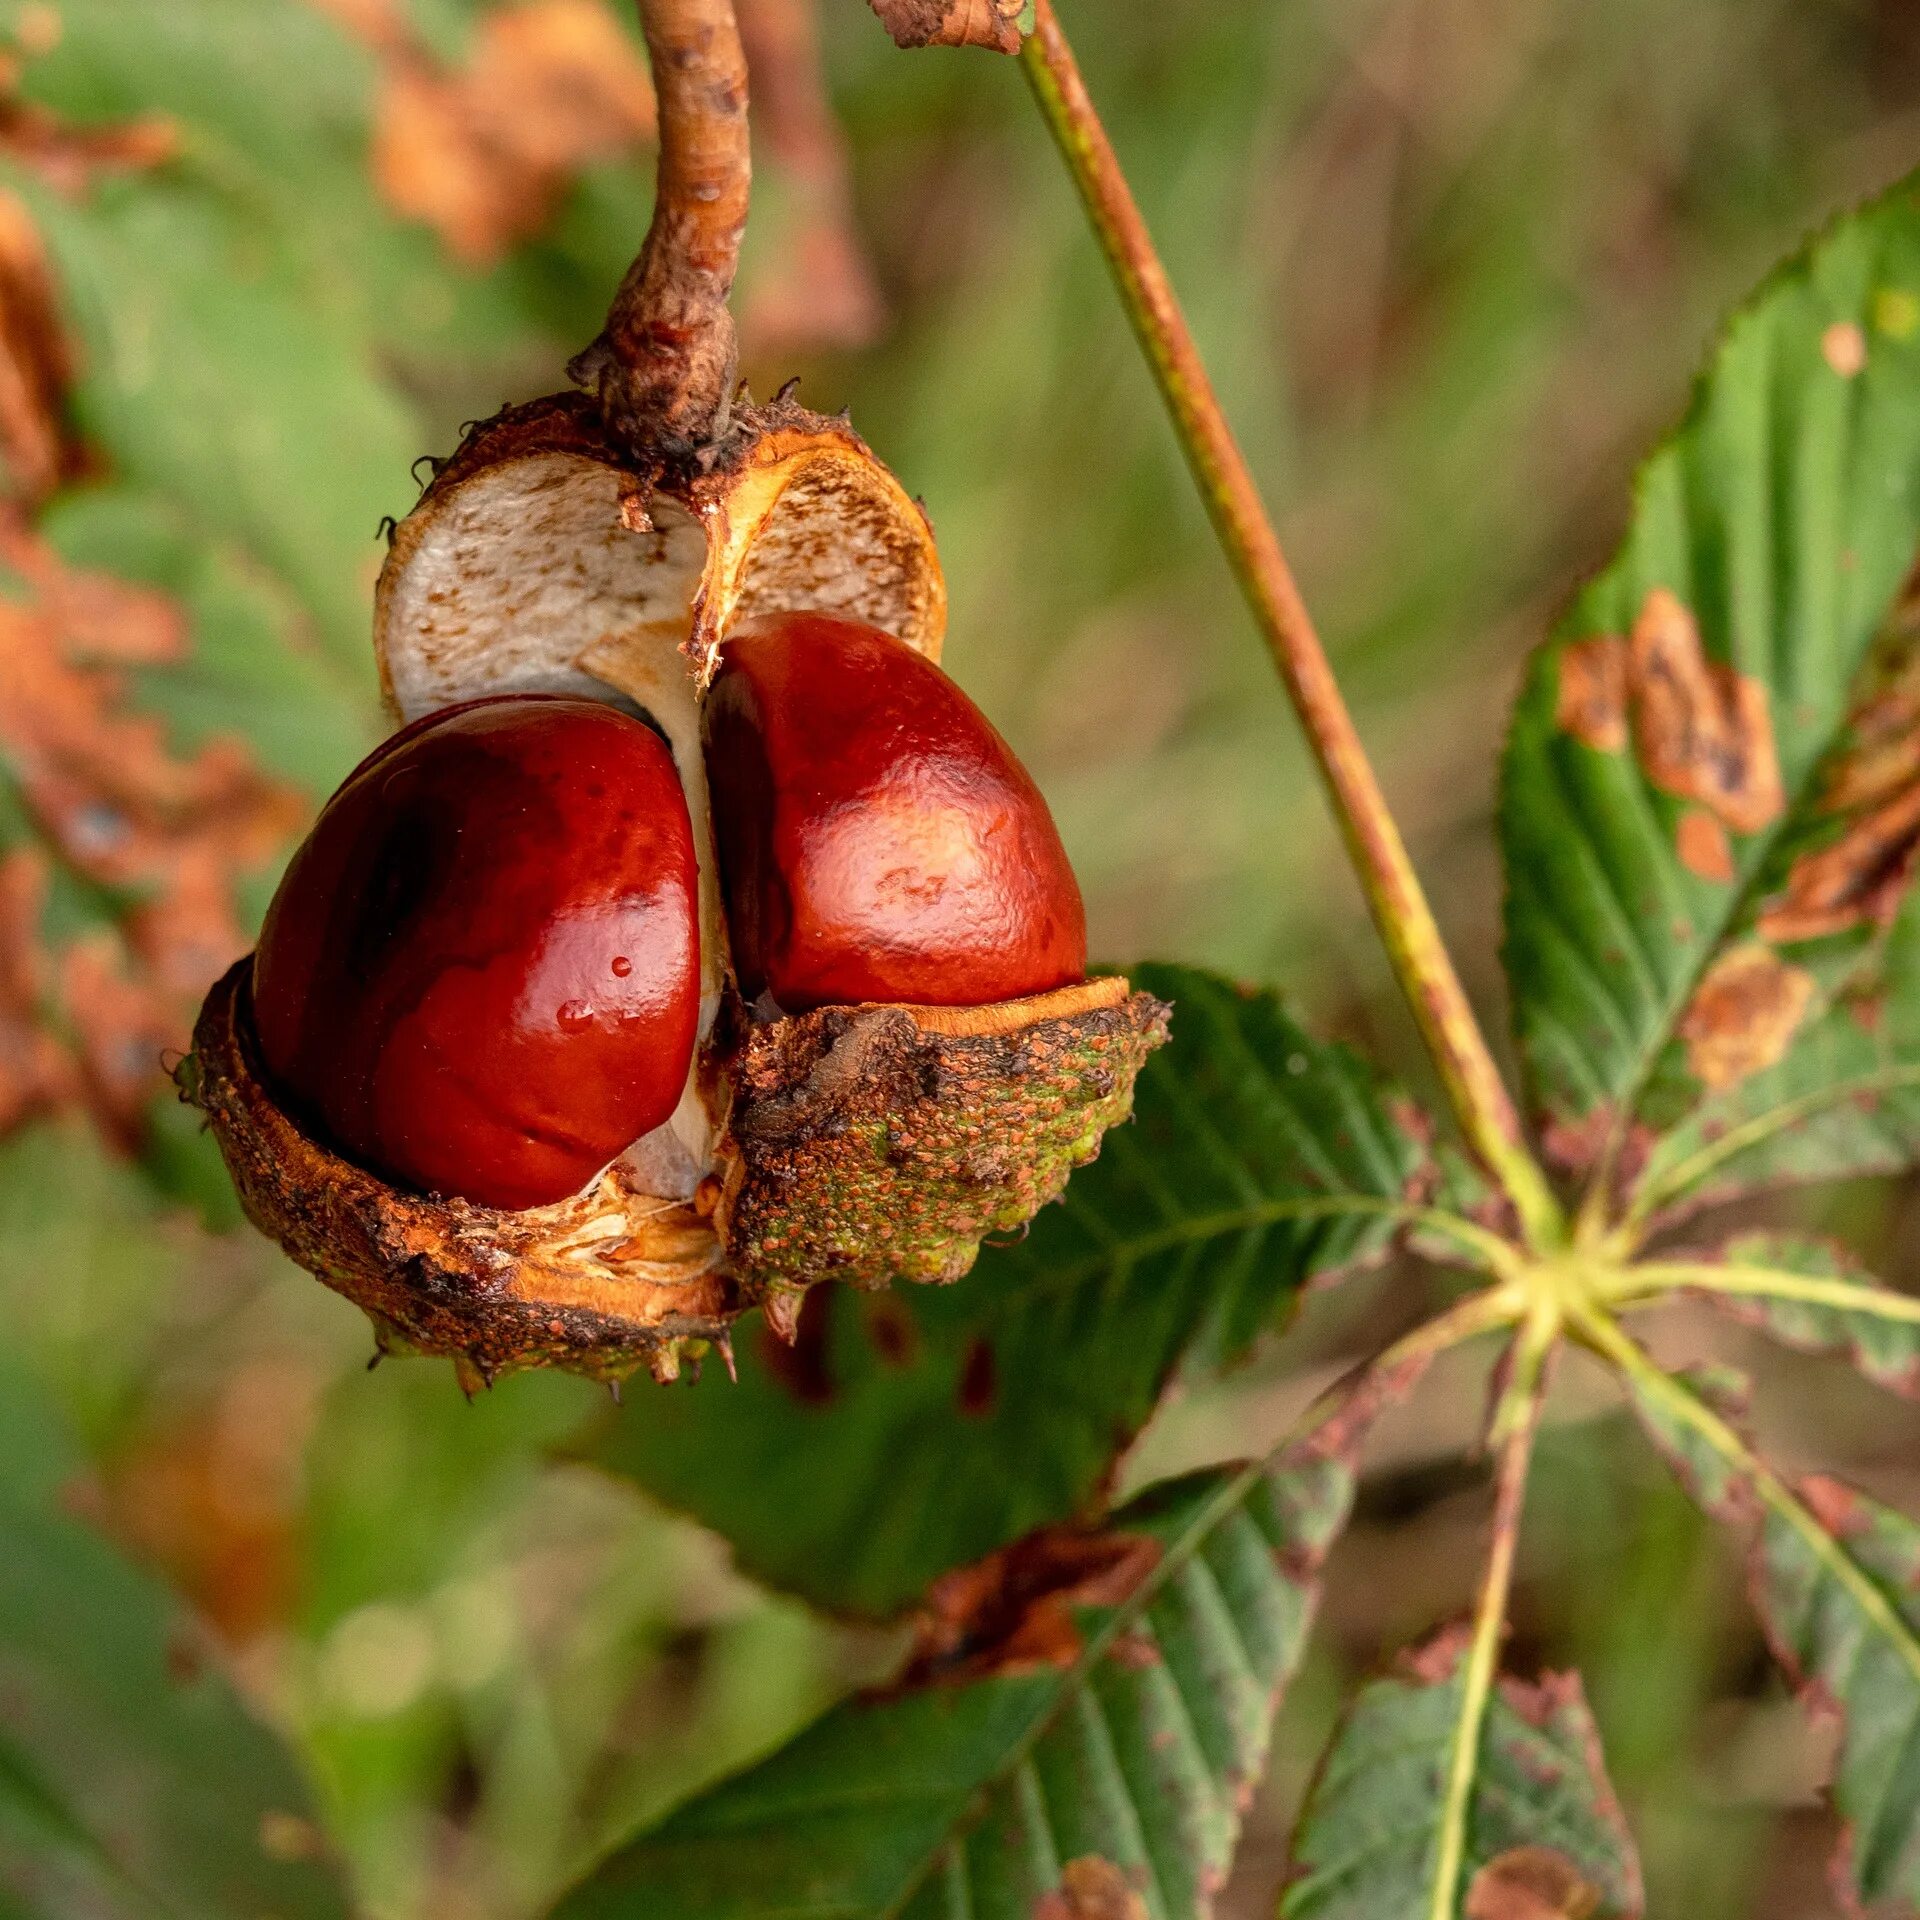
1421, 963
663, 366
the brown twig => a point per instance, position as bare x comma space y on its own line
663, 366
1425, 970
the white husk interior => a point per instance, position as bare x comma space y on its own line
524, 580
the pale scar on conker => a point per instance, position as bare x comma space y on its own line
694, 940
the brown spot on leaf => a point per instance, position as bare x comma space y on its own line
1578, 1143
994, 24
164, 836
1702, 844
1854, 881
1137, 1650
1013, 1612
1592, 702
483, 154
1743, 1015
801, 1365
979, 1384
1531, 1883
1833, 1503
1702, 731
1844, 348
1872, 788
1092, 1889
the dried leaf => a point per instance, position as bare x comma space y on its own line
71, 158
484, 154
995, 24
37, 439
163, 838
37, 1075
1744, 1014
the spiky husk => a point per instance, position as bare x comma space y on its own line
598, 1284
881, 1143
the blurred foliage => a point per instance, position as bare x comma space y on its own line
1451, 261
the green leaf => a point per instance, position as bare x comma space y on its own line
1836, 1578
916, 1430
1810, 1294
1084, 1720
1692, 737
133, 1783
1542, 1815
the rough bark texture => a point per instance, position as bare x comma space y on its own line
663, 367
874, 1144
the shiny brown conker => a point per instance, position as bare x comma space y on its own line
877, 839
481, 972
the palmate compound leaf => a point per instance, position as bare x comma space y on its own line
915, 1430
133, 1783
1836, 1579
1709, 801
1074, 1740
1544, 1833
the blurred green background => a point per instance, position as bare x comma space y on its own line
1451, 261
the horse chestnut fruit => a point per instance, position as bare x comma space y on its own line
481, 972
877, 839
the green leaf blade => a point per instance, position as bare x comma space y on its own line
1670, 755
1836, 1580
1370, 1833
918, 1430
1087, 1718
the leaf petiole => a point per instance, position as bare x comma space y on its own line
1519, 1423
1641, 1285
1475, 1090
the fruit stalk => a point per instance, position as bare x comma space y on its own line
663, 366
1425, 970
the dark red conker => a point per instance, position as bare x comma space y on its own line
877, 838
481, 972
